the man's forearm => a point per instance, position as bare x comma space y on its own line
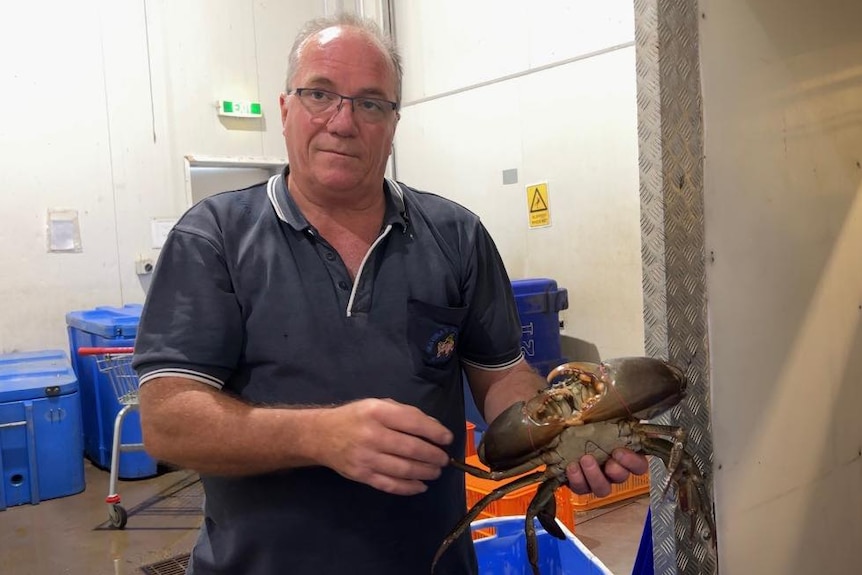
191, 425
497, 391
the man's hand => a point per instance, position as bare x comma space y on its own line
587, 476
385, 444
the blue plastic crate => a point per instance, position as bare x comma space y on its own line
41, 452
106, 327
506, 551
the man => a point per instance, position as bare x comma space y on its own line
303, 341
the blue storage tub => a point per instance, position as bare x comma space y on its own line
41, 451
106, 327
506, 551
539, 302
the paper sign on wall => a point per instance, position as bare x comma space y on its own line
538, 205
160, 228
64, 233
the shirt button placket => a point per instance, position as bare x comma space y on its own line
330, 256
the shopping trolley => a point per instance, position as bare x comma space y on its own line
116, 362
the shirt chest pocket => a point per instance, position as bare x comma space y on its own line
433, 332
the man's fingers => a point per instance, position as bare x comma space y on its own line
378, 449
577, 481
633, 462
400, 468
395, 486
415, 449
390, 446
586, 476
411, 420
615, 472
394, 474
595, 477
406, 431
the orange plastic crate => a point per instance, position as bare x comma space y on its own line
633, 486
514, 503
470, 449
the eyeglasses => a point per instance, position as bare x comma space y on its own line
322, 102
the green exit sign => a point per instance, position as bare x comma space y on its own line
237, 109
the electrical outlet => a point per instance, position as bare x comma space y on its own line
144, 266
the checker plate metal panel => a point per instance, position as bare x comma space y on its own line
670, 132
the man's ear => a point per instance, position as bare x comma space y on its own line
282, 106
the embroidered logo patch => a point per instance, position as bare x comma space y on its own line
441, 346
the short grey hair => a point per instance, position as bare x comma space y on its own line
365, 25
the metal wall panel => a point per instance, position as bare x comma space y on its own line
670, 130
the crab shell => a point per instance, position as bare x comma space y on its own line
624, 388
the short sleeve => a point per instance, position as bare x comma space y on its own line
491, 335
191, 322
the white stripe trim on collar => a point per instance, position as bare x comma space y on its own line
395, 188
271, 188
362, 266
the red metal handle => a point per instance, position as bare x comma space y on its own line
104, 350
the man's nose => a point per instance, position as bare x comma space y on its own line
343, 115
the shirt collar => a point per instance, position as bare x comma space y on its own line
286, 209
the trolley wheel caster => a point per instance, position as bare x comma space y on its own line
118, 516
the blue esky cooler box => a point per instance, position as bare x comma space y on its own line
106, 327
41, 451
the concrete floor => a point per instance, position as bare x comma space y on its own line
613, 533
71, 535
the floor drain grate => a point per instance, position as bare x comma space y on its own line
173, 566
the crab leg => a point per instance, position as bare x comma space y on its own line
482, 504
496, 475
538, 506
691, 491
676, 436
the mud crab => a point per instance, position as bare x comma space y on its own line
587, 408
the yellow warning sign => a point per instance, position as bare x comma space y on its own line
538, 205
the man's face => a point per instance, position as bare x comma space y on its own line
339, 152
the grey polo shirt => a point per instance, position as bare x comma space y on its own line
247, 297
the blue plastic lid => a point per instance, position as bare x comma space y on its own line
539, 295
108, 322
35, 375
533, 285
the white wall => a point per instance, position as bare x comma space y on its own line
104, 101
782, 91
117, 93
548, 89
109, 97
